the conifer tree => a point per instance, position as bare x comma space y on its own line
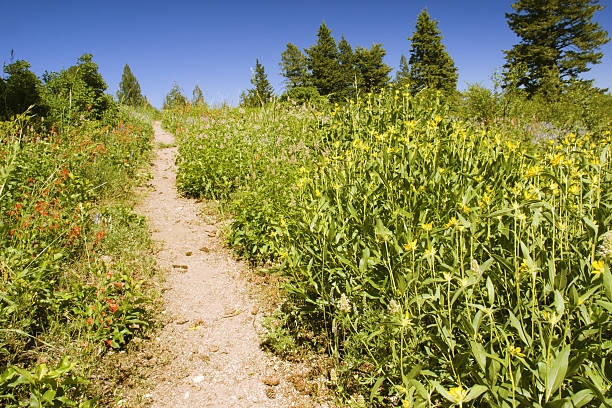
174, 97
324, 65
262, 92
129, 88
558, 37
198, 95
372, 72
294, 67
347, 61
430, 64
402, 77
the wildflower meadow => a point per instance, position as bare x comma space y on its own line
440, 261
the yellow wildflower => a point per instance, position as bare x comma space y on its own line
451, 223
458, 393
410, 245
598, 267
427, 227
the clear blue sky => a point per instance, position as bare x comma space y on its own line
215, 44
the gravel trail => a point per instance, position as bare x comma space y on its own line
209, 354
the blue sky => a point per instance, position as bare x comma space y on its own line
215, 44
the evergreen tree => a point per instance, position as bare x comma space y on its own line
324, 65
558, 37
129, 89
174, 97
262, 92
430, 64
347, 61
402, 77
19, 91
198, 95
294, 67
372, 72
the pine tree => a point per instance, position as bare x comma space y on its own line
262, 92
175, 97
294, 67
557, 37
324, 65
198, 95
263, 89
129, 88
347, 61
402, 77
430, 65
372, 72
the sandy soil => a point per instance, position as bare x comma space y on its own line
208, 354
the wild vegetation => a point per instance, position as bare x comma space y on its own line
442, 249
73, 255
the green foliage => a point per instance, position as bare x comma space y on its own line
42, 387
327, 76
198, 95
336, 72
481, 103
430, 65
262, 92
303, 94
59, 285
76, 93
129, 89
372, 72
19, 91
402, 77
577, 106
294, 67
175, 97
557, 38
348, 61
445, 263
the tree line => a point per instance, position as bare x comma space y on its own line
558, 40
75, 93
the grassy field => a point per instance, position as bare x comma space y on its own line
438, 261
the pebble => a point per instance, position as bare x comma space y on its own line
271, 380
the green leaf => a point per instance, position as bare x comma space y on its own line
34, 402
375, 388
420, 389
442, 391
490, 291
607, 282
475, 392
581, 398
556, 372
519, 328
479, 354
559, 303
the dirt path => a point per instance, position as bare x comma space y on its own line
208, 355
